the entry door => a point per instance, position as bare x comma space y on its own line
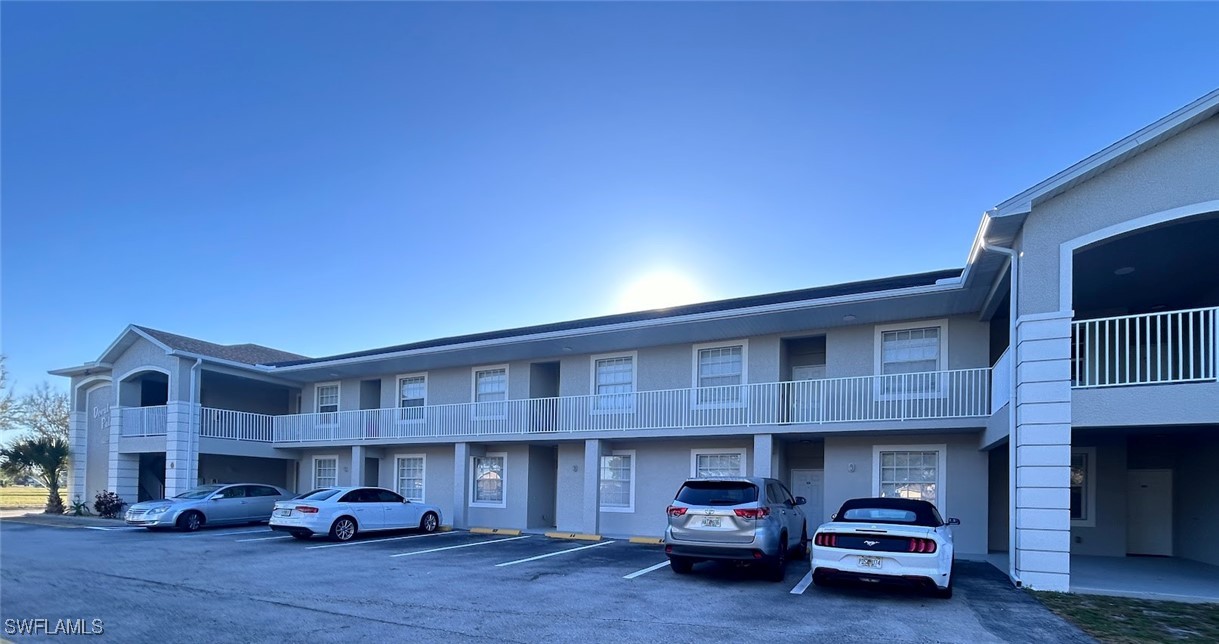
810, 484
1149, 512
805, 402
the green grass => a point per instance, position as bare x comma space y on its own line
23, 497
1128, 621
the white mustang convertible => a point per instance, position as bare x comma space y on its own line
899, 541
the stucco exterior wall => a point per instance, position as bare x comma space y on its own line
140, 354
97, 459
242, 469
304, 481
437, 473
1180, 171
516, 489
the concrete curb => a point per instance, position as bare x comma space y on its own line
512, 532
63, 521
575, 536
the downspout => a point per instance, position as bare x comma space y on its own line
196, 417
1013, 312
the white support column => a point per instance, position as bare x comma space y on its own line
461, 483
181, 450
763, 453
78, 445
1042, 434
123, 477
592, 486
357, 465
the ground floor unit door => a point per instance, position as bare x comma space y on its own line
810, 484
1149, 512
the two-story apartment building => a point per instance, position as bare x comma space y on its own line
1058, 394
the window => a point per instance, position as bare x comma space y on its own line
909, 472
385, 496
911, 350
706, 464
409, 469
325, 471
1083, 492
327, 398
618, 482
719, 372
412, 397
490, 390
614, 383
488, 481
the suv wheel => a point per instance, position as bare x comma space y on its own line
778, 566
681, 565
803, 547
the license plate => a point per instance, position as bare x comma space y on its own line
283, 513
869, 562
711, 522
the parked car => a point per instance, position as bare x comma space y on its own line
342, 512
737, 519
902, 541
214, 504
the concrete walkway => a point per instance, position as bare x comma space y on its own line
1163, 578
36, 517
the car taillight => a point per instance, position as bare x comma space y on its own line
926, 546
306, 509
827, 539
753, 513
675, 511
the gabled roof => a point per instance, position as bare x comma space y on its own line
244, 353
877, 286
1152, 135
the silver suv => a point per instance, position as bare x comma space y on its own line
740, 519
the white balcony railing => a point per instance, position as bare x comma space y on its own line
144, 421
1001, 381
236, 425
942, 394
1153, 348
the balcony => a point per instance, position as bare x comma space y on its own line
1147, 349
144, 421
900, 397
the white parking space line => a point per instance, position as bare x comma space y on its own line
640, 573
552, 554
360, 543
803, 585
464, 545
286, 536
98, 527
227, 534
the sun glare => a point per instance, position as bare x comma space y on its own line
660, 289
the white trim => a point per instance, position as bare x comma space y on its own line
398, 396
696, 452
475, 404
941, 470
422, 477
880, 329
313, 470
140, 369
618, 508
694, 379
503, 503
1089, 488
1066, 251
338, 403
76, 390
592, 381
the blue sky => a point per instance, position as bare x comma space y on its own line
323, 178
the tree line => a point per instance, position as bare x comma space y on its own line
38, 453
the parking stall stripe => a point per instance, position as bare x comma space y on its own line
464, 545
286, 536
552, 554
640, 573
803, 585
204, 533
360, 543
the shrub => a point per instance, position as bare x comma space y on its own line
108, 504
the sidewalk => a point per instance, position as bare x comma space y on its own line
36, 517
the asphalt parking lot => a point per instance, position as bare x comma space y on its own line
250, 584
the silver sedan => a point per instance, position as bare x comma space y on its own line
215, 504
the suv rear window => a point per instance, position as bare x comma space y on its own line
717, 493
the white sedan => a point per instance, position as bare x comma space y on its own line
342, 512
900, 541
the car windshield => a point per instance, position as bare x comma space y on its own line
717, 493
201, 492
318, 495
882, 515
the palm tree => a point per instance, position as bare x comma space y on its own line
43, 457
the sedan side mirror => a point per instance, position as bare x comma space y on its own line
954, 521
801, 500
